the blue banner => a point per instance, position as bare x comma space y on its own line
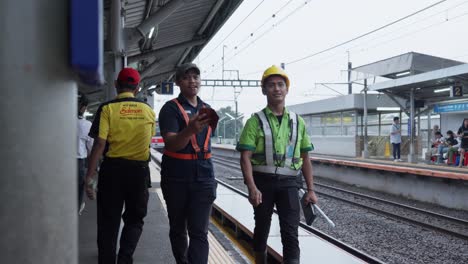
451, 108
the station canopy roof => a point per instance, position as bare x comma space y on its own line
427, 75
178, 37
410, 63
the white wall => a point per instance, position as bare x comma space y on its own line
330, 145
451, 121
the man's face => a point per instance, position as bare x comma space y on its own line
189, 83
397, 121
275, 89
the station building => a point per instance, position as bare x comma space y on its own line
413, 86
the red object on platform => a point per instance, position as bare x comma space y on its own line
465, 159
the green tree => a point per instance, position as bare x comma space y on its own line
227, 125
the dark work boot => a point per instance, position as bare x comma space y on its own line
261, 257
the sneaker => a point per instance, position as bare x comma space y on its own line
81, 208
399, 160
395, 160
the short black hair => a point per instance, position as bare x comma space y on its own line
396, 118
438, 133
450, 132
126, 86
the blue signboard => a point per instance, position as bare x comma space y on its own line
167, 88
451, 108
86, 40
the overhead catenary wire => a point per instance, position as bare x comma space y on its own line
271, 28
264, 23
264, 33
447, 19
250, 35
365, 34
232, 31
411, 33
334, 56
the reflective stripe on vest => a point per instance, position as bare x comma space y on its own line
193, 141
288, 156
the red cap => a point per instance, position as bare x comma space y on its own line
129, 76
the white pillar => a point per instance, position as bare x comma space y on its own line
365, 152
38, 182
411, 157
116, 32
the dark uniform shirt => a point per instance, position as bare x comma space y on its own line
171, 120
452, 141
463, 131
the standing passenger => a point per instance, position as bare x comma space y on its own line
85, 144
125, 125
395, 138
274, 148
187, 178
463, 134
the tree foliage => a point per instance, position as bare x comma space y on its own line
227, 125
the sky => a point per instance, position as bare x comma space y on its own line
300, 28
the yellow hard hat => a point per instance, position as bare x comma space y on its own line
275, 70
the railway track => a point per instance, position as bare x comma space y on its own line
428, 219
351, 250
339, 244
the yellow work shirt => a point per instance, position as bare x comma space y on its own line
127, 124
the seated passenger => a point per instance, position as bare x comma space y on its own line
446, 145
439, 139
435, 129
453, 150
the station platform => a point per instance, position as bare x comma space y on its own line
314, 249
154, 245
435, 184
422, 169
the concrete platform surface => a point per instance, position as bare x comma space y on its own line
154, 245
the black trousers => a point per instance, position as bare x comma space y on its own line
283, 194
81, 180
396, 150
189, 207
121, 183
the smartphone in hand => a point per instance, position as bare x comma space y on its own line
212, 115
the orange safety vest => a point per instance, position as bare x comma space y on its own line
193, 140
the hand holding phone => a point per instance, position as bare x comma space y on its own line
210, 114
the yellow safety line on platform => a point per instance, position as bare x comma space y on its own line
233, 240
217, 254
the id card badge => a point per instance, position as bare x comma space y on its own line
289, 151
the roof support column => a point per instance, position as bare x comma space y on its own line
411, 156
116, 31
38, 183
429, 141
365, 152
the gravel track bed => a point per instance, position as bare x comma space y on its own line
387, 239
398, 199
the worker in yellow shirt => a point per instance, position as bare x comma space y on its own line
123, 127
